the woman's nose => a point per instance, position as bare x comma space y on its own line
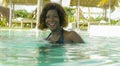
51, 18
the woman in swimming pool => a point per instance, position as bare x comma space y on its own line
54, 18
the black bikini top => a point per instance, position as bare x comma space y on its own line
61, 38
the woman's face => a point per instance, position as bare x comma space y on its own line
52, 20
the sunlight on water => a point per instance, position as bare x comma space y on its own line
25, 48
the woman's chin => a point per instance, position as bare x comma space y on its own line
52, 29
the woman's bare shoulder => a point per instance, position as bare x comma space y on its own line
74, 36
71, 33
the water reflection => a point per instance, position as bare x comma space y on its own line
23, 48
59, 54
79, 54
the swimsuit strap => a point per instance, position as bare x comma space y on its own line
48, 37
61, 38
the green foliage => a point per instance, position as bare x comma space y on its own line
3, 22
70, 13
21, 13
29, 16
99, 18
113, 22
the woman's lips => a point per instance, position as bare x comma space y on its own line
51, 24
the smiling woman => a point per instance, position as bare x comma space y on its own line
53, 17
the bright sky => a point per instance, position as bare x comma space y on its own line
64, 2
0, 3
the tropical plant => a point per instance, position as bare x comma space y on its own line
3, 22
70, 13
21, 13
113, 22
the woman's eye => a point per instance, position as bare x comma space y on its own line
52, 17
55, 16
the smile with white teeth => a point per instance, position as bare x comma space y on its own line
51, 24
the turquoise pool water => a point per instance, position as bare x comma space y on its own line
27, 48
